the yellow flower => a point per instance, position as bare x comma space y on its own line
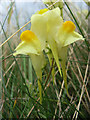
65, 36
51, 29
30, 45
48, 30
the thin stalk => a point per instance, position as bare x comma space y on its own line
7, 39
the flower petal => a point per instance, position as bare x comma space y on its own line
54, 49
39, 27
63, 57
62, 52
38, 62
63, 65
54, 21
25, 48
73, 37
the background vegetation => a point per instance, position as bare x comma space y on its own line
19, 94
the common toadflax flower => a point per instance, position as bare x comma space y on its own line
48, 30
30, 45
51, 29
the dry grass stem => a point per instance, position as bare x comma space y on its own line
82, 92
14, 34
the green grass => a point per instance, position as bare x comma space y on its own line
20, 93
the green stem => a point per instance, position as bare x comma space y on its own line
40, 89
61, 12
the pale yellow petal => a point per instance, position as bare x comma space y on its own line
38, 62
25, 48
62, 52
54, 49
63, 65
73, 37
39, 27
54, 21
